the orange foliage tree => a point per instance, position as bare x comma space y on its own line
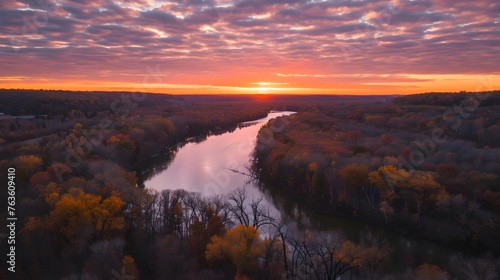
241, 245
430, 272
355, 178
76, 210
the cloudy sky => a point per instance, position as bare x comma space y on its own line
251, 46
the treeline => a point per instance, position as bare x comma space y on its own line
489, 98
61, 102
55, 111
385, 164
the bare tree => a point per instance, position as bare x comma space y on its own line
319, 257
484, 267
249, 214
377, 252
105, 257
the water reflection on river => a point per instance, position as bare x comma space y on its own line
215, 166
218, 165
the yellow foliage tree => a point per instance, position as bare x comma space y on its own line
241, 245
77, 209
51, 193
240, 277
349, 253
373, 258
130, 268
113, 140
416, 189
388, 178
78, 127
430, 272
423, 184
355, 177
26, 166
30, 162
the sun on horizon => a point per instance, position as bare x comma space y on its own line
235, 47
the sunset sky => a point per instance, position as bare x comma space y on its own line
251, 46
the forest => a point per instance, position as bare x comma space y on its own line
425, 165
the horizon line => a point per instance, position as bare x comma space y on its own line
246, 94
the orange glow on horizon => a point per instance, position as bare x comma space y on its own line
309, 85
274, 47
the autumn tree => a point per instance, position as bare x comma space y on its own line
430, 272
412, 191
129, 268
386, 178
76, 210
419, 189
376, 252
386, 139
25, 167
319, 192
242, 246
75, 220
202, 229
355, 178
40, 178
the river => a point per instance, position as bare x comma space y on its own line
218, 165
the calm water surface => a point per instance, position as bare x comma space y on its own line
218, 165
214, 166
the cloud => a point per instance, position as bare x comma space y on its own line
199, 40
